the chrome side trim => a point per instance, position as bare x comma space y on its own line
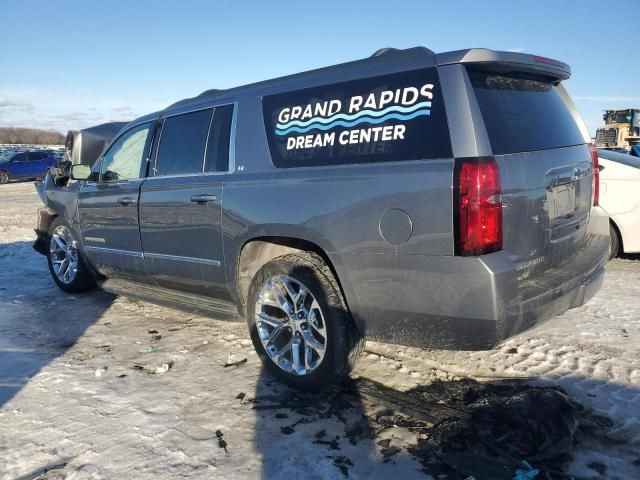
177, 258
206, 142
232, 138
185, 112
184, 175
115, 251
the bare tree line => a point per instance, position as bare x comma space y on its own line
33, 136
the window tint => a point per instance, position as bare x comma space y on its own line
34, 156
218, 143
22, 157
124, 158
523, 114
182, 143
382, 119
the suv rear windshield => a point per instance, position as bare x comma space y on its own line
523, 114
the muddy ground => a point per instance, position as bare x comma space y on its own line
80, 398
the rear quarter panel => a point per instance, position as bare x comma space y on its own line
338, 208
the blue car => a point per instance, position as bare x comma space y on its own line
25, 165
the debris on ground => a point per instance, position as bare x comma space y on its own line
527, 472
154, 369
145, 350
599, 467
222, 443
491, 431
43, 472
164, 368
235, 364
101, 371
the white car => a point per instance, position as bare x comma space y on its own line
620, 198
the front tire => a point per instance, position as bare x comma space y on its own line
299, 323
65, 263
4, 177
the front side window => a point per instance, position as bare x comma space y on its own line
123, 160
182, 143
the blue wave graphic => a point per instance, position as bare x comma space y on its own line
342, 123
353, 116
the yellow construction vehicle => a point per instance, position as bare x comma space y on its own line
621, 129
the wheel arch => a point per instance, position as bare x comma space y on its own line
618, 232
258, 251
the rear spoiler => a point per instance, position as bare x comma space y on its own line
516, 61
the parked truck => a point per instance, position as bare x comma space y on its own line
621, 129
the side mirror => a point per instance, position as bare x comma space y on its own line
80, 172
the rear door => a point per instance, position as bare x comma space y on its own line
545, 165
37, 163
108, 207
18, 166
180, 203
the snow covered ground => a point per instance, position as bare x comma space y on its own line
79, 399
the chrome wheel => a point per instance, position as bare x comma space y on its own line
291, 325
4, 177
63, 251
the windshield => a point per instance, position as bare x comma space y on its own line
6, 156
620, 116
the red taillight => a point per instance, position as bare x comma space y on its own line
596, 175
479, 206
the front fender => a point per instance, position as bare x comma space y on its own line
59, 201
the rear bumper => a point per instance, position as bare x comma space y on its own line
467, 303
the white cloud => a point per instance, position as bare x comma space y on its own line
71, 109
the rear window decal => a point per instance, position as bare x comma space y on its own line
386, 118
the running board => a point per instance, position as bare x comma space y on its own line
197, 304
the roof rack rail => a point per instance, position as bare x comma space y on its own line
213, 92
393, 51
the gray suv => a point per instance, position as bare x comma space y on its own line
437, 200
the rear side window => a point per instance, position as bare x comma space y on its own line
523, 114
35, 156
182, 143
381, 119
219, 137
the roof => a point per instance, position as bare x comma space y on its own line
549, 66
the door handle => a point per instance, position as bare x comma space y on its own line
124, 201
203, 198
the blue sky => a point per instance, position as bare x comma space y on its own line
75, 64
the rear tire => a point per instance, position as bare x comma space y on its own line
298, 296
614, 249
66, 266
4, 177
